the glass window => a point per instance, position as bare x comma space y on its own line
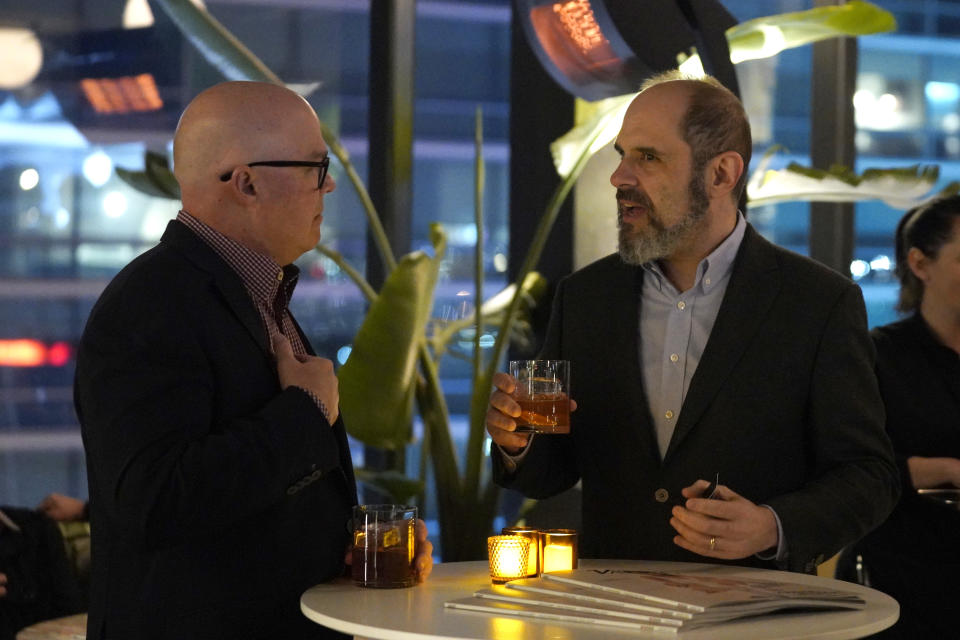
103, 96
908, 112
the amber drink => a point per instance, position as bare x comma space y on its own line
542, 391
384, 544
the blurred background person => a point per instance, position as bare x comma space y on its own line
36, 580
914, 555
63, 508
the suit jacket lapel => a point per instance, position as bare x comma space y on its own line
754, 284
227, 282
619, 346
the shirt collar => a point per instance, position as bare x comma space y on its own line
712, 269
260, 274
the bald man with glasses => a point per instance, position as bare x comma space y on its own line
220, 478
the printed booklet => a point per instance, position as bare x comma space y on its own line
651, 600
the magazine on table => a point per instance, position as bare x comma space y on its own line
706, 595
660, 601
522, 609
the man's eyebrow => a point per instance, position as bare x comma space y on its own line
650, 150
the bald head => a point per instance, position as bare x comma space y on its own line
234, 123
712, 120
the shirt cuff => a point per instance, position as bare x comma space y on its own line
510, 461
781, 552
317, 401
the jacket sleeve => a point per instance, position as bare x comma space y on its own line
550, 466
854, 482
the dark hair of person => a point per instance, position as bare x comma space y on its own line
927, 227
715, 122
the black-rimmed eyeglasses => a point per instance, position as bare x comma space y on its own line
323, 165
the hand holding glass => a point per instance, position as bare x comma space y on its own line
384, 545
543, 393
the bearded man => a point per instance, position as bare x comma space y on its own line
699, 351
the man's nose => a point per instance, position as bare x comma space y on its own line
622, 177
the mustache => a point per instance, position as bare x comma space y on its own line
634, 196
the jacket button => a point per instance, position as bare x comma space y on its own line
661, 495
293, 490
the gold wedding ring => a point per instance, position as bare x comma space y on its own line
713, 544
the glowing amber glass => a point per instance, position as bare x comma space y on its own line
508, 557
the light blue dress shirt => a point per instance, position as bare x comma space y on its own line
674, 329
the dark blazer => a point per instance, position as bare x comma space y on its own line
215, 497
784, 405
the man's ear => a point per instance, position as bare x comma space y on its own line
243, 182
723, 173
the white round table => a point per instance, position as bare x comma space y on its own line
417, 613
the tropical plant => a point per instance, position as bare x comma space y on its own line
396, 353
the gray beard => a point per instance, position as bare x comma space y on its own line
656, 241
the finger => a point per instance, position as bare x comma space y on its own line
508, 438
696, 537
504, 381
573, 404
695, 522
423, 563
348, 556
498, 420
715, 507
281, 347
704, 550
505, 404
421, 530
696, 489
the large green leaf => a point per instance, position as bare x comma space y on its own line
220, 47
377, 381
899, 187
599, 124
400, 488
769, 35
156, 179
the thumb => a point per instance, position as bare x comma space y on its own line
281, 347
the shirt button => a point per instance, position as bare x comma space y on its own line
668, 415
681, 305
661, 495
674, 357
706, 281
279, 276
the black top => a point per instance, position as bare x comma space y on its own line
914, 554
920, 383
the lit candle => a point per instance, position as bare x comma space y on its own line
508, 557
533, 535
559, 548
557, 557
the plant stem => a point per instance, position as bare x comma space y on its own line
354, 275
472, 473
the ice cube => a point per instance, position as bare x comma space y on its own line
391, 538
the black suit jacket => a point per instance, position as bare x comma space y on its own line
215, 497
783, 405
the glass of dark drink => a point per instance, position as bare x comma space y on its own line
543, 393
384, 544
